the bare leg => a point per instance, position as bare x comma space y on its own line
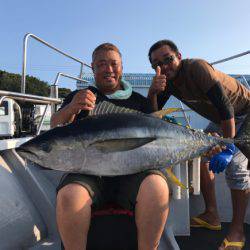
151, 211
210, 214
236, 231
73, 212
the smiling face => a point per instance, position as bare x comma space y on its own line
107, 69
167, 59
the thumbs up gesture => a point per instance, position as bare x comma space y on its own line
159, 82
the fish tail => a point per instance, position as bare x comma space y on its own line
174, 179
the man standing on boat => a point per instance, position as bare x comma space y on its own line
146, 194
222, 100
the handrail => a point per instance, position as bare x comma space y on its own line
43, 115
54, 87
2, 98
68, 76
230, 58
25, 45
30, 98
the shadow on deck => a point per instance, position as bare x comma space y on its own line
208, 240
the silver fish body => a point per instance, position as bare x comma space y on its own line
116, 144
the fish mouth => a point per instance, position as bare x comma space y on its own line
27, 154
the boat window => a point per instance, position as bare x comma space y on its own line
4, 108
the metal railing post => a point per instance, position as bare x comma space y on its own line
54, 87
41, 122
23, 83
2, 98
53, 94
25, 47
29, 98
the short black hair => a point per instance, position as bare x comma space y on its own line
161, 43
105, 47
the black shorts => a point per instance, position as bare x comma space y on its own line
120, 190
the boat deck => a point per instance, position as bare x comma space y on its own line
208, 240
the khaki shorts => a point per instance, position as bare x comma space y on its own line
121, 190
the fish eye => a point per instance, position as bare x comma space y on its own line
46, 147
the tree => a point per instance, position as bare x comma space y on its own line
34, 86
63, 92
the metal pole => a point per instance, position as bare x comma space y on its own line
231, 57
2, 98
68, 76
41, 122
25, 43
54, 93
23, 97
23, 83
81, 71
177, 189
196, 175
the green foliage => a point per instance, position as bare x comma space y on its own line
10, 82
34, 86
63, 92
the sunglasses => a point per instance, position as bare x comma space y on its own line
167, 60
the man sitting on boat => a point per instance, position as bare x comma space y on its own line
146, 193
222, 100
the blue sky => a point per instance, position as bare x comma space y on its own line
210, 30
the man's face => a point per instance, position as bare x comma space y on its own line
107, 68
167, 59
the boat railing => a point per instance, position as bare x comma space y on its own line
245, 82
54, 87
28, 97
33, 99
231, 57
53, 100
59, 74
25, 48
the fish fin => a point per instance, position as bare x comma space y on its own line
116, 145
174, 179
105, 107
163, 112
242, 138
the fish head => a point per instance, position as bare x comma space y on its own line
36, 150
54, 152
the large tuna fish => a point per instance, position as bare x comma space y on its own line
119, 143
